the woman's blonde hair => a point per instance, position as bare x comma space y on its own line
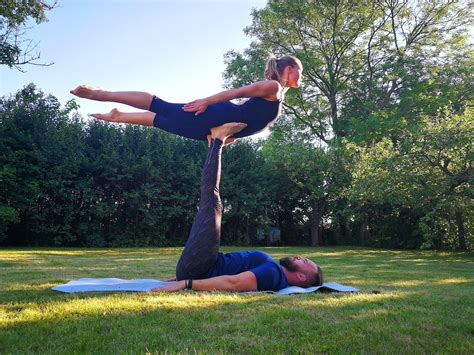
274, 67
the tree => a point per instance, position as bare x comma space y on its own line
40, 158
144, 185
309, 179
374, 69
15, 49
364, 52
430, 170
248, 193
416, 61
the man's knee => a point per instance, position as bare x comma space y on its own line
197, 265
187, 272
181, 274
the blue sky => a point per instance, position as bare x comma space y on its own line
173, 48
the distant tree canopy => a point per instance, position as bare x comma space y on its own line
15, 49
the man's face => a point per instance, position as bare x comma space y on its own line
298, 263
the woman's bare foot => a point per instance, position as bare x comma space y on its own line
112, 116
226, 130
88, 92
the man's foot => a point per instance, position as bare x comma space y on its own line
112, 116
226, 130
227, 141
88, 92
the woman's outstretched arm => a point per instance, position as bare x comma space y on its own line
266, 89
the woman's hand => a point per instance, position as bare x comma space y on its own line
175, 286
198, 106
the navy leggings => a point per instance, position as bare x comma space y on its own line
202, 248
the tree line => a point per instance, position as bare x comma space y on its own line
70, 182
387, 100
375, 149
66, 181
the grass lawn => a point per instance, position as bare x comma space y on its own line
412, 302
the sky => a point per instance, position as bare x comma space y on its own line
171, 48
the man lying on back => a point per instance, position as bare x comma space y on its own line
201, 265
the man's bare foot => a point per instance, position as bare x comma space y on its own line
112, 116
229, 140
226, 130
88, 92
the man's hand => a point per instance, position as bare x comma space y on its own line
198, 106
176, 286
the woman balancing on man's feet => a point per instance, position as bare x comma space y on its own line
202, 267
259, 111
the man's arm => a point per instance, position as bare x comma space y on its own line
245, 281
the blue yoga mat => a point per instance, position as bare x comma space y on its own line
145, 285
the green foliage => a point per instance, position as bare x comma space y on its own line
248, 193
374, 149
305, 180
41, 157
375, 70
15, 50
70, 182
429, 170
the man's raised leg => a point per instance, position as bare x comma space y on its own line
201, 250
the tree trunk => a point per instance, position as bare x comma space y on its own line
247, 231
315, 235
461, 230
363, 232
316, 217
335, 122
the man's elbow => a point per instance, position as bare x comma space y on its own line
246, 282
233, 284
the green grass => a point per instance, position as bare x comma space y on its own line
412, 302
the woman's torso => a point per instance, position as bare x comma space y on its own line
258, 113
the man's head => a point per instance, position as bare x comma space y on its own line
302, 271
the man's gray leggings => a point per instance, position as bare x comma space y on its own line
201, 249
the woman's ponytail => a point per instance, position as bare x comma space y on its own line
275, 67
271, 69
